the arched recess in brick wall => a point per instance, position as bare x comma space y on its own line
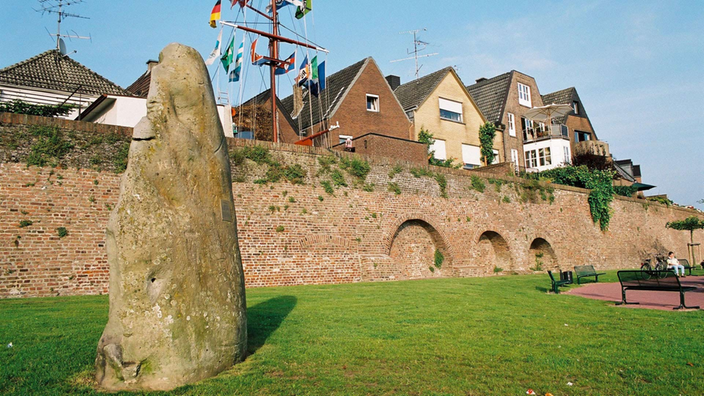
418, 250
542, 254
494, 252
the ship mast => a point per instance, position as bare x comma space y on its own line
273, 59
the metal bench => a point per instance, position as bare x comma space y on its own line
586, 271
686, 265
557, 283
652, 281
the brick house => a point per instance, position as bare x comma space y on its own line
51, 78
582, 136
253, 120
357, 101
440, 104
504, 100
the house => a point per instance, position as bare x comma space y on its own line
504, 100
582, 136
51, 78
357, 101
440, 104
127, 109
252, 120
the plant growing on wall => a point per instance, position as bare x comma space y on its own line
438, 259
21, 107
487, 133
424, 136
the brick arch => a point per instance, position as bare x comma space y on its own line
393, 229
541, 250
501, 249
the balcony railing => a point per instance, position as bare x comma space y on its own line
552, 132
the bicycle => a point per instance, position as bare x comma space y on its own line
659, 268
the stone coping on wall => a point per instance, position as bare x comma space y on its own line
83, 126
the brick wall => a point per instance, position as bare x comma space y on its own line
390, 147
299, 234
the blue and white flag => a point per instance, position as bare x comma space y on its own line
235, 74
216, 52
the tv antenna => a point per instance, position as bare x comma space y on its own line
57, 7
418, 46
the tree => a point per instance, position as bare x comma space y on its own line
424, 136
690, 224
487, 133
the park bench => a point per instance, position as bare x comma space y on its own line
557, 283
686, 265
585, 271
652, 281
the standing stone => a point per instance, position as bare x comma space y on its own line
177, 298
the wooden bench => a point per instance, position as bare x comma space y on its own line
557, 283
585, 271
652, 281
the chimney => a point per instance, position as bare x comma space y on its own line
481, 79
394, 81
297, 100
150, 64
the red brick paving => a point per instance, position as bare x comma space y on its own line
647, 299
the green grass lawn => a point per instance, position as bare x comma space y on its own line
474, 336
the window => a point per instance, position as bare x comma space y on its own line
514, 157
527, 128
439, 148
496, 157
544, 156
511, 124
575, 107
372, 103
531, 159
580, 136
343, 138
471, 156
568, 157
524, 95
450, 110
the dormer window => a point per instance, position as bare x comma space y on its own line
524, 95
575, 107
373, 103
450, 110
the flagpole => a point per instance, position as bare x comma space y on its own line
274, 53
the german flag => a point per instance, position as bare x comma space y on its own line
215, 15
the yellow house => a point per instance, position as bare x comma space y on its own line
440, 104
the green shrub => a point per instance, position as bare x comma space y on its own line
327, 186
338, 178
280, 229
625, 191
478, 184
442, 183
356, 167
25, 223
498, 269
258, 154
120, 159
439, 259
50, 146
62, 231
368, 187
295, 174
506, 199
20, 107
395, 171
394, 188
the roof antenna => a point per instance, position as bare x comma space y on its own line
418, 46
57, 7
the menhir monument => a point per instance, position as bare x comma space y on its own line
177, 297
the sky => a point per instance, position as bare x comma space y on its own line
638, 65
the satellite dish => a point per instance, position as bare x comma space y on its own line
62, 47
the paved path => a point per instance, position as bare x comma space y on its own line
647, 299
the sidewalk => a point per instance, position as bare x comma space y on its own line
647, 299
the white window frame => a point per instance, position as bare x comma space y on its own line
531, 159
450, 106
544, 156
524, 95
511, 124
568, 156
514, 157
496, 157
575, 107
375, 100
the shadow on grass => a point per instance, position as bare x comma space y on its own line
542, 289
264, 318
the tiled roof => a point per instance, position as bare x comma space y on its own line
560, 97
51, 70
491, 95
140, 87
261, 98
323, 107
412, 94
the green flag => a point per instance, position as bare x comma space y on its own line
302, 11
229, 55
314, 69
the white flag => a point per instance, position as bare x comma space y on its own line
216, 52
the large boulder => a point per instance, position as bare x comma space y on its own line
177, 297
